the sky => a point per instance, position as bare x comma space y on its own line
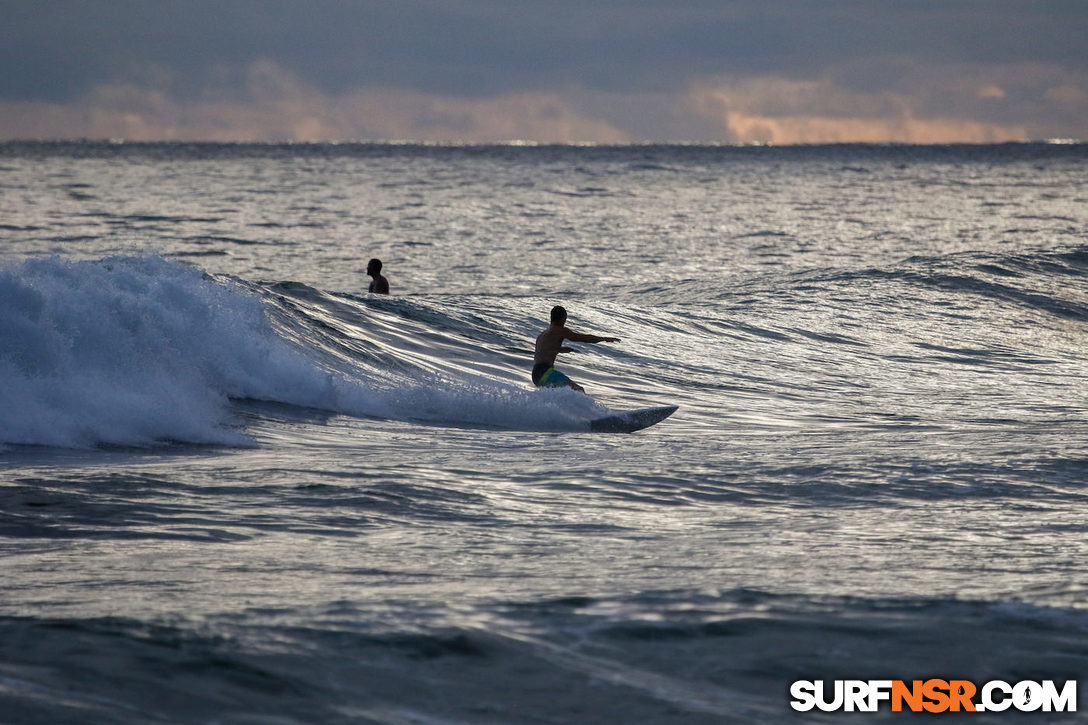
545, 71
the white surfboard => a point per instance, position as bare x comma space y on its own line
629, 421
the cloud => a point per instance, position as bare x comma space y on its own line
564, 71
897, 100
272, 104
543, 117
1067, 95
887, 100
990, 90
746, 128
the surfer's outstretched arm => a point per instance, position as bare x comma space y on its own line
579, 337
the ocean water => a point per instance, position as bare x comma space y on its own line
237, 488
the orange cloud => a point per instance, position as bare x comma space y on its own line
818, 130
783, 111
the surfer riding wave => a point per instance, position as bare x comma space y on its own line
548, 346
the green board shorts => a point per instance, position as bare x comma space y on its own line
546, 376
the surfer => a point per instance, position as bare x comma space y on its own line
548, 346
379, 285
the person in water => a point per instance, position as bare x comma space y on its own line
548, 346
378, 285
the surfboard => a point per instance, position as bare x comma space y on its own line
629, 421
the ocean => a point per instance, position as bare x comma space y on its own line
237, 488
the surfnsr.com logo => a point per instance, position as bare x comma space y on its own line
933, 695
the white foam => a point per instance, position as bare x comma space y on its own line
133, 351
487, 403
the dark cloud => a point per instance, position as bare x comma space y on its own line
51, 49
59, 51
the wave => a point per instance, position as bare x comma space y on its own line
1044, 281
137, 351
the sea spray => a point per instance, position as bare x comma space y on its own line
135, 350
484, 403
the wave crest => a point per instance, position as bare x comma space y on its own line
142, 350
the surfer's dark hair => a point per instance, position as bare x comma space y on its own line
376, 264
559, 315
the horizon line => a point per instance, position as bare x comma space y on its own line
525, 143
